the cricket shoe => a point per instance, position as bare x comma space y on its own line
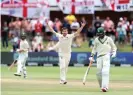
63, 82
25, 76
16, 74
104, 89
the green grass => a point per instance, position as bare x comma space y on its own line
45, 81
83, 48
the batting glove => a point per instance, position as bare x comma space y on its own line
91, 59
50, 48
113, 55
18, 50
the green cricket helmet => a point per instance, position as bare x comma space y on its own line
23, 35
100, 31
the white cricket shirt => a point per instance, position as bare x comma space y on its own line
24, 46
103, 46
65, 43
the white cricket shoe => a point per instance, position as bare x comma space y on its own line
16, 74
104, 89
63, 82
25, 77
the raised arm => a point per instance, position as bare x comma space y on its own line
80, 29
50, 28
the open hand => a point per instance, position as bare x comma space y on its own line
50, 49
46, 21
83, 24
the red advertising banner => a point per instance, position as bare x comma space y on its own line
124, 1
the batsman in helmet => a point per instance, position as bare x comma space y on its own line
23, 55
105, 49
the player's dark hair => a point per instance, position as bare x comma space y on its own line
63, 28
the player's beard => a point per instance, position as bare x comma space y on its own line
64, 34
101, 36
23, 38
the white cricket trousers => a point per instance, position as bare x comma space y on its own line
64, 60
103, 68
21, 64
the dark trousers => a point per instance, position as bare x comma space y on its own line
15, 47
5, 42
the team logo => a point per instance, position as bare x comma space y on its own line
81, 58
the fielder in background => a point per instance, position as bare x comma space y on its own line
23, 55
64, 46
104, 47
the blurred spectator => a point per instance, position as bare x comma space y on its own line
85, 29
17, 26
90, 35
78, 39
33, 22
66, 24
57, 25
109, 26
48, 33
35, 46
97, 24
5, 32
15, 42
37, 43
121, 34
75, 25
132, 41
126, 25
57, 28
51, 37
28, 29
38, 27
121, 21
11, 28
70, 18
131, 30
24, 24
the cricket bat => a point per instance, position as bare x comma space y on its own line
12, 65
87, 71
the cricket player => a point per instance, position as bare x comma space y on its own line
104, 47
64, 46
23, 55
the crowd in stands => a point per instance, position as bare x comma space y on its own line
38, 32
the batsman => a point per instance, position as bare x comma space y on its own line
23, 55
106, 50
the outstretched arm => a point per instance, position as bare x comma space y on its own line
54, 47
80, 29
50, 28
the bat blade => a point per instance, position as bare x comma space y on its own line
85, 76
12, 65
86, 73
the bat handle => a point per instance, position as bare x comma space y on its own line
90, 63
